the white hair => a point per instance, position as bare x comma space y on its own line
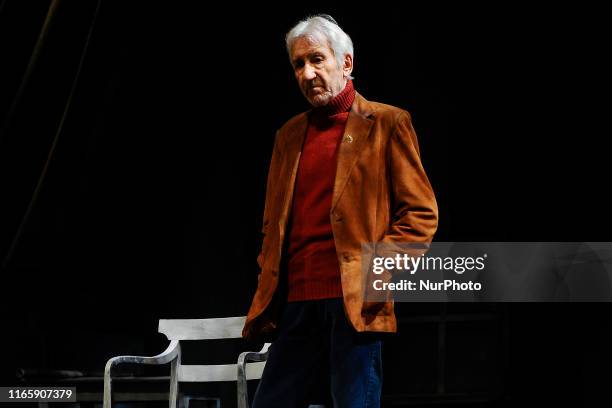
322, 28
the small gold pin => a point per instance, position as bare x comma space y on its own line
348, 139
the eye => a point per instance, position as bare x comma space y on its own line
298, 64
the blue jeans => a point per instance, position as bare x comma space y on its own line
317, 341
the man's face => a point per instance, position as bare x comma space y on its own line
317, 71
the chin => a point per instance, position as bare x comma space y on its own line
320, 100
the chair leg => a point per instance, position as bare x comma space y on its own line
242, 392
107, 397
174, 367
173, 383
108, 394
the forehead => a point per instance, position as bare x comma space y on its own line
303, 47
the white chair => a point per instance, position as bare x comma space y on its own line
198, 329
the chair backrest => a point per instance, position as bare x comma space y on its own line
208, 329
202, 329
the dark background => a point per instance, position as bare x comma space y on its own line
164, 116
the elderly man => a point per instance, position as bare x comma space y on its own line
345, 173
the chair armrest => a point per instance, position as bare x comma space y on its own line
241, 385
165, 357
261, 355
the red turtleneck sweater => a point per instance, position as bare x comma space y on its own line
313, 269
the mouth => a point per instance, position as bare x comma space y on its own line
316, 89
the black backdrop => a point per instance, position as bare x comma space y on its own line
152, 203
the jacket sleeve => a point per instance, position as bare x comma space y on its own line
414, 211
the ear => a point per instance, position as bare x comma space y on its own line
347, 67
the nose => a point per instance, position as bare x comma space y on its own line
309, 72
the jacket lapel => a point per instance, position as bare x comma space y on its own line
292, 157
355, 137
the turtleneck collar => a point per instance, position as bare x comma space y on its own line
341, 102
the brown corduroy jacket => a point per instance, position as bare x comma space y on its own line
381, 195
